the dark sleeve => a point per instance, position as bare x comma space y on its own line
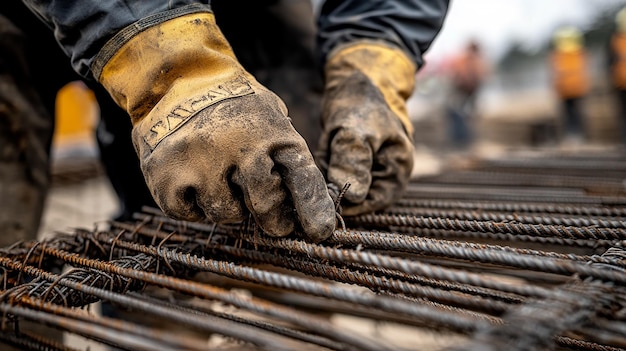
412, 25
83, 27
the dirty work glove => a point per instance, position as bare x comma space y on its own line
214, 143
367, 135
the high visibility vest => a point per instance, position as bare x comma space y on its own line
618, 70
76, 115
569, 73
468, 73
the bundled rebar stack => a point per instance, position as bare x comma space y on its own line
518, 253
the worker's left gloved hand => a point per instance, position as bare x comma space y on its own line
213, 143
367, 135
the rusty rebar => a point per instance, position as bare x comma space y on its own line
605, 185
210, 292
508, 217
586, 209
535, 324
387, 220
489, 251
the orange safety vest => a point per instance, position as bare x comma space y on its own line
618, 70
468, 72
569, 73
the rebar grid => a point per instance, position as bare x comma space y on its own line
482, 266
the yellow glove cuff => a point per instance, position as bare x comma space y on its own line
167, 73
387, 67
169, 62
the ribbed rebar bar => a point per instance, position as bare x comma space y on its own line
462, 250
445, 318
535, 324
136, 331
503, 178
213, 325
504, 217
391, 241
80, 327
439, 284
195, 289
195, 309
386, 220
373, 282
29, 341
516, 253
477, 195
503, 238
379, 260
583, 345
516, 206
560, 164
403, 265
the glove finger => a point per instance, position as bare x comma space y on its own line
390, 176
190, 196
315, 209
381, 195
351, 159
264, 195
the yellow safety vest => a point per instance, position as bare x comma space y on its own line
618, 70
569, 70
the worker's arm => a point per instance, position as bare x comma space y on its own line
213, 143
410, 25
371, 51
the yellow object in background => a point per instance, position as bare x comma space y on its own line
76, 115
568, 39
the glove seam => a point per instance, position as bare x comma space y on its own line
341, 56
380, 43
123, 36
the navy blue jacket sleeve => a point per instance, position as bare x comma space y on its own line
412, 25
83, 27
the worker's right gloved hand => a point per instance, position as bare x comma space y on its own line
214, 143
367, 134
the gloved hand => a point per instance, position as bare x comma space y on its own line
214, 143
367, 135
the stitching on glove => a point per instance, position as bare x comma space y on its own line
181, 113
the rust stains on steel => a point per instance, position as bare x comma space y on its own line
539, 264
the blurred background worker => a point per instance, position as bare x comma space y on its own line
617, 66
570, 79
467, 71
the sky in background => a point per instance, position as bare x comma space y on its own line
499, 23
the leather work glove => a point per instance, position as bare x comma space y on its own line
213, 143
367, 135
